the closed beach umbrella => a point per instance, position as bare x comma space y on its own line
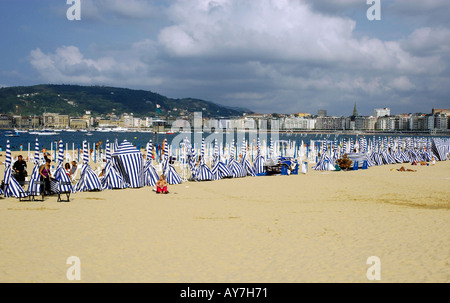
60, 174
204, 172
219, 170
35, 176
258, 164
11, 188
191, 156
245, 162
150, 174
169, 171
88, 181
237, 171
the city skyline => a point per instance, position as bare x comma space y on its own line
268, 56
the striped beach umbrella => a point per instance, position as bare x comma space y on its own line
150, 174
237, 170
219, 170
204, 172
169, 171
129, 162
88, 181
258, 164
35, 176
111, 178
11, 187
60, 174
245, 162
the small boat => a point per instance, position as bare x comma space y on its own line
89, 134
44, 133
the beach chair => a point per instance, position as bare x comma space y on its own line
365, 165
295, 169
355, 165
61, 192
33, 194
74, 175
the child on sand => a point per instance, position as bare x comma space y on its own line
161, 185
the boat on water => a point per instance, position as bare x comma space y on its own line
44, 133
119, 129
89, 134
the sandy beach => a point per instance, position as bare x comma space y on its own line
317, 227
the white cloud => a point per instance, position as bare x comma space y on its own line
258, 53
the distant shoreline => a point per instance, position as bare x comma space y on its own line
284, 131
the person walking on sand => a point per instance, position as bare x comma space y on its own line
161, 185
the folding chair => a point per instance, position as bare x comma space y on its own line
365, 165
67, 193
355, 165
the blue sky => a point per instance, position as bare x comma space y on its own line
280, 56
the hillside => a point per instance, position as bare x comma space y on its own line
74, 100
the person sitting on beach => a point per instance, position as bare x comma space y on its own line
67, 168
161, 185
74, 167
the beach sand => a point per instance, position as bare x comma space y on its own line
318, 227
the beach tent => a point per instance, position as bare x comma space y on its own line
172, 177
111, 179
204, 172
191, 156
88, 181
60, 174
150, 174
258, 164
11, 187
245, 162
440, 148
219, 170
35, 177
129, 163
237, 170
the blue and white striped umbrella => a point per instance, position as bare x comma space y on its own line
440, 148
60, 174
111, 178
204, 172
219, 170
88, 181
129, 162
258, 164
35, 176
324, 162
191, 159
11, 188
245, 162
172, 177
150, 174
237, 171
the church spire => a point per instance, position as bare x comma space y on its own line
355, 112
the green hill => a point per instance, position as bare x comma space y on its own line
74, 100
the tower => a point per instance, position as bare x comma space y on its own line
355, 112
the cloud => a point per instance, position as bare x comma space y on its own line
258, 54
129, 10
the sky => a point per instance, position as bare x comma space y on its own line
270, 56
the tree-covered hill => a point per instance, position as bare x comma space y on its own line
74, 100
